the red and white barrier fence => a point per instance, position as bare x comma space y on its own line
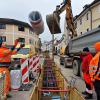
32, 66
34, 63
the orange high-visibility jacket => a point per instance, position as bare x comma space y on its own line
5, 57
93, 67
5, 54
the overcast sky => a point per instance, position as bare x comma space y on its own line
20, 9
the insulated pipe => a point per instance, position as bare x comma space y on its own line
36, 21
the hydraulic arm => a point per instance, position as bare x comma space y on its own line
66, 5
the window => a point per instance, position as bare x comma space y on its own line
24, 51
22, 40
30, 41
75, 24
30, 32
56, 48
87, 16
80, 21
2, 26
3, 38
87, 29
21, 28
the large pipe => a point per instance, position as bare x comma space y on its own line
36, 21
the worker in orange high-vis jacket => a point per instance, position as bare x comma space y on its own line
94, 70
87, 56
5, 62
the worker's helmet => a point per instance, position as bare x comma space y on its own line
97, 46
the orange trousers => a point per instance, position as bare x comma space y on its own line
88, 79
7, 85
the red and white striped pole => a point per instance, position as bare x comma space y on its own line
24, 69
35, 64
31, 63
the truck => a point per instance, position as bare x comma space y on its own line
76, 43
75, 47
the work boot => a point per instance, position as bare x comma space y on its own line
84, 93
89, 96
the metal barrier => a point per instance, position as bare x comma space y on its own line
2, 85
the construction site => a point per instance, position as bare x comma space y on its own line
64, 68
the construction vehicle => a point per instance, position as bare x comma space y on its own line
75, 47
71, 55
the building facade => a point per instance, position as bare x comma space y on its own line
89, 18
11, 29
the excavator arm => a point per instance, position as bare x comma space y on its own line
66, 5
69, 18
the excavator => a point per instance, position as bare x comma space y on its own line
54, 19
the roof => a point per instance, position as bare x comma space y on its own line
15, 22
87, 6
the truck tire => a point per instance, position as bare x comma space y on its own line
65, 65
61, 61
76, 67
81, 74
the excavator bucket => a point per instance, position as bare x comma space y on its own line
53, 22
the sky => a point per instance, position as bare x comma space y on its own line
20, 9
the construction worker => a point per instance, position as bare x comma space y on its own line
87, 56
94, 70
5, 61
